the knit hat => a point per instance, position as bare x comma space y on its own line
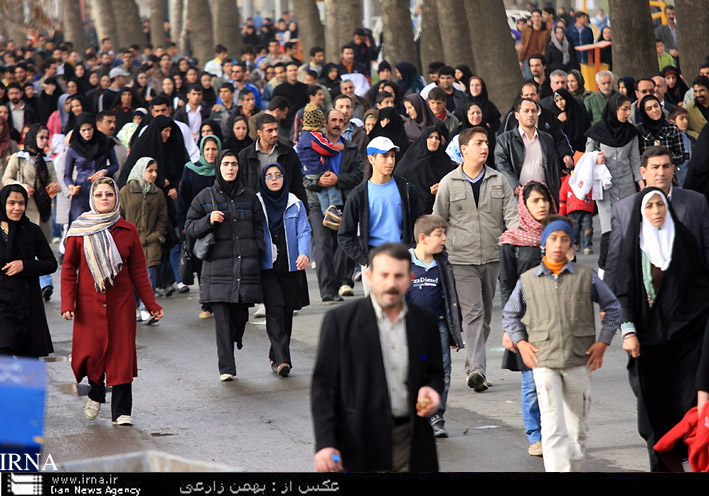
313, 118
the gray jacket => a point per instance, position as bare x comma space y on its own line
474, 229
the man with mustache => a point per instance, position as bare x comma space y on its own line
333, 268
380, 210
378, 376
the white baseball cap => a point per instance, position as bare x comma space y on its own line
381, 144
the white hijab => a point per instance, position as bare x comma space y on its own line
656, 242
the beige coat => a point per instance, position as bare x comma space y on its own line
474, 230
149, 214
20, 169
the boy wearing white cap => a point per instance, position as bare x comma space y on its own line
380, 210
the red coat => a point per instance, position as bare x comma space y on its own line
569, 203
104, 323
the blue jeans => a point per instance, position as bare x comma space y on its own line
45, 281
175, 255
583, 228
530, 408
446, 349
153, 278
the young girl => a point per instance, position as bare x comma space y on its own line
144, 205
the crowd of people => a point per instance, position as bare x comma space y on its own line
147, 168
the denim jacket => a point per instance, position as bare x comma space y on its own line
297, 229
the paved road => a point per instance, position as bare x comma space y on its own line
262, 422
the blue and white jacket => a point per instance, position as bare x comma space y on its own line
298, 232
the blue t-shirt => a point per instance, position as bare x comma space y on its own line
426, 289
385, 213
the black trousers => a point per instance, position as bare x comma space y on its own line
332, 266
605, 243
280, 296
121, 397
230, 320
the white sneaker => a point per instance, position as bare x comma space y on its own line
91, 409
226, 377
124, 420
144, 316
260, 312
182, 288
345, 290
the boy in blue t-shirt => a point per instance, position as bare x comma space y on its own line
433, 287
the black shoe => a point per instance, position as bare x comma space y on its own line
283, 370
170, 290
476, 381
331, 298
439, 429
47, 292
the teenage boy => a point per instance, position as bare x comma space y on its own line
380, 210
478, 204
550, 318
433, 287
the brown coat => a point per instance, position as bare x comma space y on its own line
542, 41
149, 214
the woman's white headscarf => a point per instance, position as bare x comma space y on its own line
657, 242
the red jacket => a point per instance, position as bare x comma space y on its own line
104, 323
569, 203
694, 430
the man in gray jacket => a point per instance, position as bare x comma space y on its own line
478, 204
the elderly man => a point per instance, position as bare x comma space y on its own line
596, 102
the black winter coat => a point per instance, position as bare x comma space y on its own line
231, 271
23, 324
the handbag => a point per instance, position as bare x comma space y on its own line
185, 268
203, 244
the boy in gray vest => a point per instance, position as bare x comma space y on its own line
550, 318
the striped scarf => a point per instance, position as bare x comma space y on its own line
100, 249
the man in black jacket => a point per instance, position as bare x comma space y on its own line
333, 267
380, 210
378, 376
268, 149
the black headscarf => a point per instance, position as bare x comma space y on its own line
230, 188
491, 115
467, 74
275, 201
231, 142
333, 85
92, 149
609, 130
577, 120
12, 249
170, 156
681, 297
655, 126
214, 126
629, 82
675, 95
409, 76
424, 117
424, 168
41, 177
394, 130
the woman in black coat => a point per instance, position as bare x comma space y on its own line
662, 290
231, 276
24, 256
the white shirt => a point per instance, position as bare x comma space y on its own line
18, 115
532, 168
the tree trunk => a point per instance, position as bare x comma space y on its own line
430, 44
102, 11
176, 7
633, 39
129, 27
398, 32
226, 27
158, 16
496, 58
14, 22
692, 36
342, 19
200, 32
312, 31
452, 20
73, 27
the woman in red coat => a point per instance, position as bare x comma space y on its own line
106, 251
